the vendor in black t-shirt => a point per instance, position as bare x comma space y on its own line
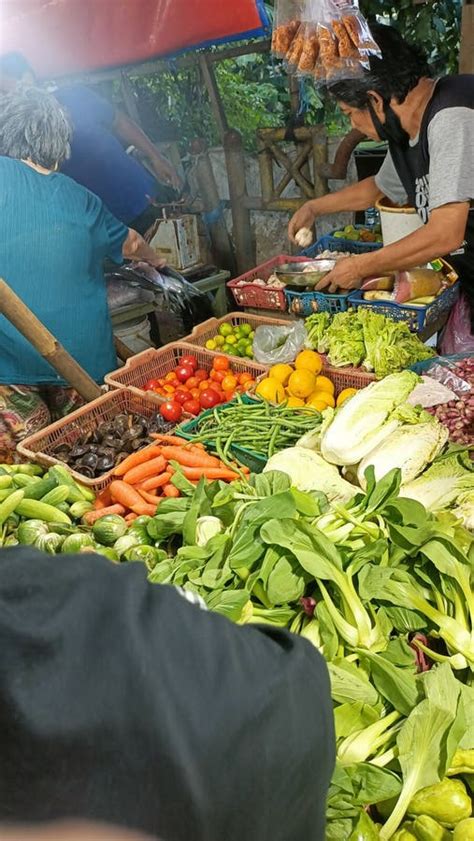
429, 126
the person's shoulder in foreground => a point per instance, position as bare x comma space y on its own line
130, 705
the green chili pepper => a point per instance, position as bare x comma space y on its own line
447, 802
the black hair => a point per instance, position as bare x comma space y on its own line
15, 66
395, 74
34, 127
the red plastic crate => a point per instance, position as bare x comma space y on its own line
155, 363
262, 297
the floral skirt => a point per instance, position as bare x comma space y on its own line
25, 409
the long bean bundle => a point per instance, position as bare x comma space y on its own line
258, 427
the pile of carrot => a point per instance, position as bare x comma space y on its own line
143, 479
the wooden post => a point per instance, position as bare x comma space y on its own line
221, 242
32, 329
242, 230
129, 98
466, 57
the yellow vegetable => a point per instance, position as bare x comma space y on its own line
281, 372
309, 360
270, 389
344, 395
295, 402
324, 384
301, 383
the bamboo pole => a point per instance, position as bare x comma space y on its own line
32, 329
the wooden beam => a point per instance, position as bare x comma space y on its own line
129, 98
214, 95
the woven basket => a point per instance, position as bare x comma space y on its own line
342, 378
261, 297
152, 364
37, 447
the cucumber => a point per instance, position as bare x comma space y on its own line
34, 509
22, 480
77, 493
38, 490
56, 496
5, 481
10, 504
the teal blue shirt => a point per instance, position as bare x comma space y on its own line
54, 236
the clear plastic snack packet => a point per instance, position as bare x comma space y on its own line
287, 22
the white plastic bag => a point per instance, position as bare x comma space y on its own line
281, 343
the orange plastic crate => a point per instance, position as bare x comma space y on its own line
38, 447
152, 364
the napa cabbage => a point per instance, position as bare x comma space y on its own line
412, 447
308, 472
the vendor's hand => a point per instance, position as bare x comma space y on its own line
345, 275
158, 262
166, 174
303, 218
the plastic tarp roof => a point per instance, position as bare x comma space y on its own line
63, 37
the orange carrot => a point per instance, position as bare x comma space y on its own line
171, 491
127, 496
169, 439
143, 471
148, 497
140, 457
210, 473
150, 510
188, 458
155, 482
131, 517
98, 504
91, 516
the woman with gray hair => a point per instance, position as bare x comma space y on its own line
55, 237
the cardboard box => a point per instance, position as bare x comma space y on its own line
177, 240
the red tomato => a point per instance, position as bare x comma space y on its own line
181, 395
160, 391
229, 395
192, 406
189, 360
245, 378
215, 386
221, 363
217, 376
183, 373
209, 398
204, 384
150, 385
171, 411
201, 374
195, 393
170, 377
193, 382
169, 389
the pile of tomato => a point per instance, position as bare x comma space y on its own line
191, 389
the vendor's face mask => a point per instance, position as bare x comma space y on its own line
392, 129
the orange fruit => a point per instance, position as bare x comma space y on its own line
271, 390
229, 383
301, 383
324, 384
344, 395
294, 402
281, 372
309, 360
316, 403
323, 397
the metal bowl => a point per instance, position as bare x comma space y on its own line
307, 273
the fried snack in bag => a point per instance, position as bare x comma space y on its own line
310, 53
287, 20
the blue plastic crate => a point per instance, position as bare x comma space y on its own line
307, 303
416, 317
331, 243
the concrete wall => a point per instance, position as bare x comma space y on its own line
270, 228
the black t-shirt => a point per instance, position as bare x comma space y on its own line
121, 702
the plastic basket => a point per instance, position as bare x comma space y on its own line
208, 329
261, 297
307, 303
332, 243
38, 447
417, 318
154, 363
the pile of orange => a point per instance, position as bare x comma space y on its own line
302, 384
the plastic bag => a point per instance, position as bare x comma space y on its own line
456, 372
326, 39
457, 336
278, 344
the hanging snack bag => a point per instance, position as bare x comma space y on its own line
286, 25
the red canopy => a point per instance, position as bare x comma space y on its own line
62, 37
